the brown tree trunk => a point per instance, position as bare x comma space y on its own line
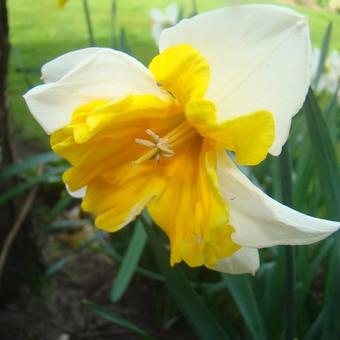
6, 150
22, 265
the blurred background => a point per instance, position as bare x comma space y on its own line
63, 279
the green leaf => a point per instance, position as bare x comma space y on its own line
50, 176
21, 187
20, 167
323, 55
285, 179
304, 176
116, 319
66, 259
88, 23
123, 41
331, 318
324, 155
315, 330
242, 292
309, 272
272, 301
327, 168
196, 312
130, 262
194, 10
113, 23
108, 250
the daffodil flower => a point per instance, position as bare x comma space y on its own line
231, 79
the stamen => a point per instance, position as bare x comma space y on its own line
153, 135
145, 142
163, 146
159, 147
149, 155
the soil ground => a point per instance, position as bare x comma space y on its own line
60, 314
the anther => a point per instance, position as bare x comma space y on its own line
159, 148
153, 135
145, 142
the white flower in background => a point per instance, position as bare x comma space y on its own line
335, 5
316, 53
163, 19
330, 77
231, 79
332, 70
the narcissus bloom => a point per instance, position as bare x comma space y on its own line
231, 79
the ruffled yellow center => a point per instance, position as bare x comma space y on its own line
142, 151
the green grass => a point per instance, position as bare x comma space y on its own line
41, 31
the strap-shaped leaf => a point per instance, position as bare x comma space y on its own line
323, 55
327, 168
117, 319
130, 262
325, 160
194, 309
242, 292
20, 167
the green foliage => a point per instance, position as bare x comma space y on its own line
130, 261
118, 320
323, 56
196, 312
20, 167
28, 179
327, 168
242, 291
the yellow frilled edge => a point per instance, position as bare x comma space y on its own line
142, 151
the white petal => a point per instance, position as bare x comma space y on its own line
244, 261
76, 194
58, 67
259, 57
258, 220
107, 74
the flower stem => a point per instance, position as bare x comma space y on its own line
88, 23
285, 175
